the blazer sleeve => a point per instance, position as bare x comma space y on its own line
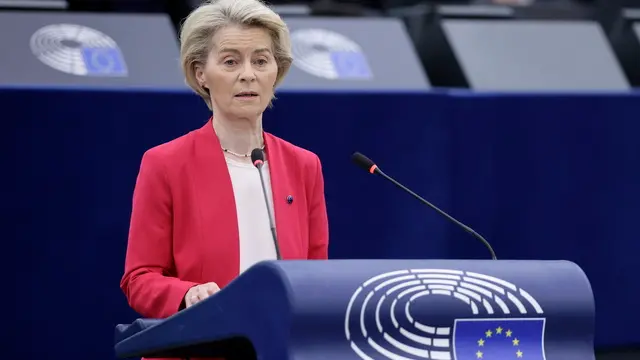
149, 281
318, 222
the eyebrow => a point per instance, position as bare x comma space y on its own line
235, 51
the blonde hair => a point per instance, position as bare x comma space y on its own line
199, 27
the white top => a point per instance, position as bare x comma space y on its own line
256, 243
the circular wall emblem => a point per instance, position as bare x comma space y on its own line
78, 50
328, 55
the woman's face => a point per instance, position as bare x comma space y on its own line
241, 71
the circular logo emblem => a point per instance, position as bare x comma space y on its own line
383, 318
328, 55
78, 50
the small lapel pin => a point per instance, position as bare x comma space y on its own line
289, 199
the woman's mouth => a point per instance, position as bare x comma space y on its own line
247, 94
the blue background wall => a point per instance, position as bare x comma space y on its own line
540, 176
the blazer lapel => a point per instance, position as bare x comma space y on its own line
286, 217
221, 250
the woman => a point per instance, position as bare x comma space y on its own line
199, 215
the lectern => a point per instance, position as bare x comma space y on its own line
382, 309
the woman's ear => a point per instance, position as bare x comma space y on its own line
200, 76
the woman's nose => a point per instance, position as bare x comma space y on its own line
247, 73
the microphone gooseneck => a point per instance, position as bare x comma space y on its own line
257, 158
368, 165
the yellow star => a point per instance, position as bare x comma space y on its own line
519, 353
508, 333
515, 342
480, 342
479, 354
499, 330
488, 333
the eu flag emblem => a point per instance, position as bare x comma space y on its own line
105, 61
351, 65
502, 339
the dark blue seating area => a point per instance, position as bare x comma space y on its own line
541, 176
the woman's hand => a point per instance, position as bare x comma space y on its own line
200, 292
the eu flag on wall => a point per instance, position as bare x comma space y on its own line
499, 339
106, 61
350, 65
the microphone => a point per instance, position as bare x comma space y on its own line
257, 158
368, 165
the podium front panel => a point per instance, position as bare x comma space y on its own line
387, 309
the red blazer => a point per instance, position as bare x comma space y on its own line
184, 229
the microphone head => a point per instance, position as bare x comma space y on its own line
257, 157
364, 162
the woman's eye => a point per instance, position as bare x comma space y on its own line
262, 62
229, 62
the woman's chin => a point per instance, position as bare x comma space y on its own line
248, 110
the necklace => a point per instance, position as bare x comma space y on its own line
239, 155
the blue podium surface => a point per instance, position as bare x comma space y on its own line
382, 309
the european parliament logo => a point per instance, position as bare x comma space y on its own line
78, 50
478, 317
329, 55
